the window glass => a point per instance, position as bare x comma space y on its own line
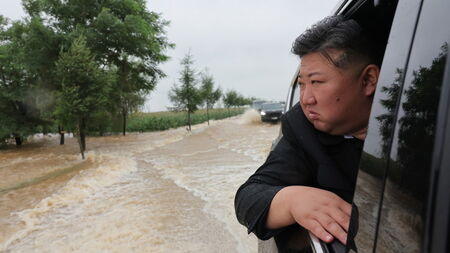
369, 185
405, 197
296, 95
294, 91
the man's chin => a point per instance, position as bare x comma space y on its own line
319, 126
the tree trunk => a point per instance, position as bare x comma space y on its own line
124, 121
83, 134
207, 113
189, 120
18, 140
61, 134
81, 137
44, 129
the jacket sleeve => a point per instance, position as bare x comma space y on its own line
286, 165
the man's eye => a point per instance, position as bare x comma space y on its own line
299, 83
316, 82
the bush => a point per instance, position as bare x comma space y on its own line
158, 121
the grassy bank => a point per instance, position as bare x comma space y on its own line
157, 121
50, 175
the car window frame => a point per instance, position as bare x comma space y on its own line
437, 227
394, 126
437, 222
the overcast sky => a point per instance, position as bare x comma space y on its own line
244, 44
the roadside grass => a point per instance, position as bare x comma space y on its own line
158, 121
56, 173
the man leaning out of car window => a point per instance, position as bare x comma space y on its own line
309, 177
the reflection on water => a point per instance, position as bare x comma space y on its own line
168, 191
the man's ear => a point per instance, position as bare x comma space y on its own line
370, 78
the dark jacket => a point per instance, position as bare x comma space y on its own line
303, 156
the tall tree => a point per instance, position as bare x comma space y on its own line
186, 97
209, 95
230, 98
39, 49
85, 88
18, 114
120, 33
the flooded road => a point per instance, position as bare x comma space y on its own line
169, 191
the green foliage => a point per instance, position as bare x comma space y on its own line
79, 65
208, 94
232, 98
141, 122
84, 90
19, 116
85, 86
113, 70
244, 101
123, 36
103, 122
186, 97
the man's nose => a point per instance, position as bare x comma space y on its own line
307, 96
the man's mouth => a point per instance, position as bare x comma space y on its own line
312, 115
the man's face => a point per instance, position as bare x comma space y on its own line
333, 99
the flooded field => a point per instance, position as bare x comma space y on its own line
169, 191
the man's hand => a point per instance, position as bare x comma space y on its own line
321, 212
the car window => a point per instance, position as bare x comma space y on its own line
404, 203
369, 185
296, 95
272, 106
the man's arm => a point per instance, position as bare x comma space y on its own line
321, 212
277, 195
254, 197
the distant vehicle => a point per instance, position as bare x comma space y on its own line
271, 112
257, 104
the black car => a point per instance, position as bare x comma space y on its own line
271, 112
402, 196
257, 104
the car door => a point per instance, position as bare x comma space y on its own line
375, 160
407, 210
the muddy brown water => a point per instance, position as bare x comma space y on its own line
169, 191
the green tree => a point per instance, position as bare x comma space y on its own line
17, 119
120, 33
85, 88
186, 97
18, 114
37, 50
230, 99
242, 101
208, 94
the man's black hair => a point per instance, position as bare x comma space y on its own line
338, 33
